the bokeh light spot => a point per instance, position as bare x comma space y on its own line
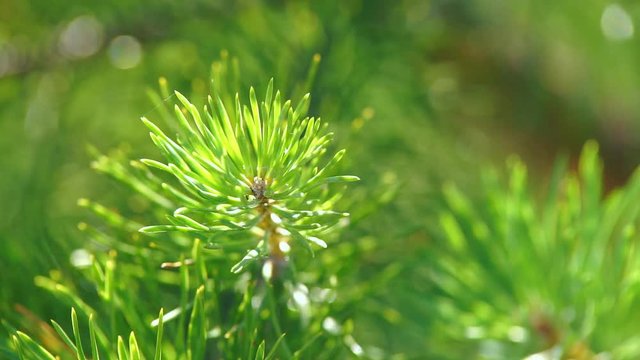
81, 258
125, 52
81, 38
616, 23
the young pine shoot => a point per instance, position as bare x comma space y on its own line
253, 170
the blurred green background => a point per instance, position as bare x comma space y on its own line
420, 92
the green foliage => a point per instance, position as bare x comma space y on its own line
419, 92
244, 167
518, 275
248, 179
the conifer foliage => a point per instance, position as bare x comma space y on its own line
250, 169
245, 194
